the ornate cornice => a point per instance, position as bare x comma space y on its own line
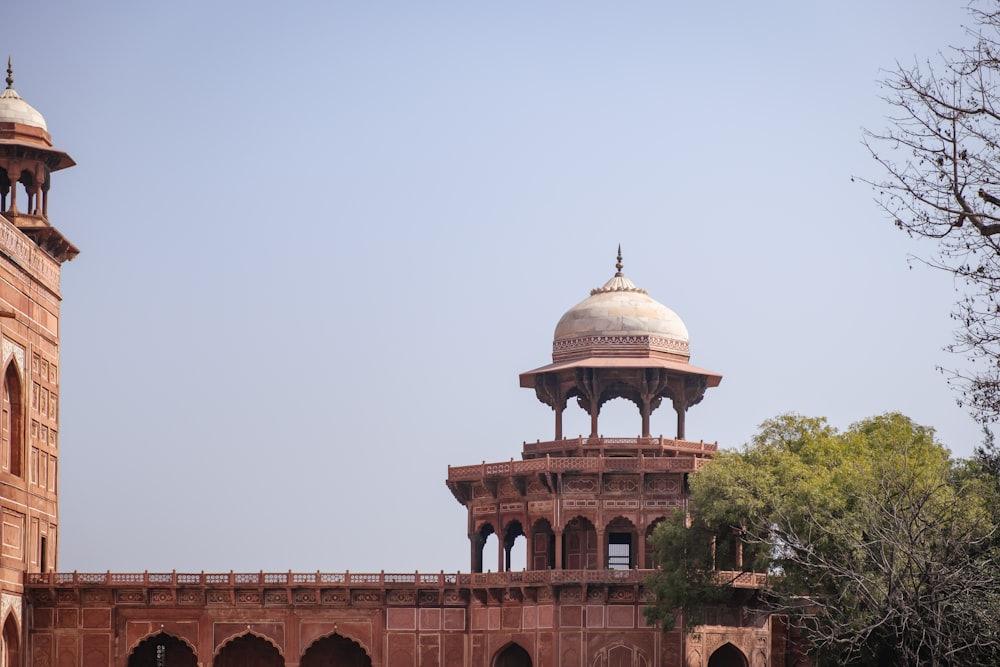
571, 347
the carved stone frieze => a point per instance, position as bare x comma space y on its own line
621, 484
407, 598
305, 596
247, 597
161, 596
582, 484
219, 597
127, 596
336, 596
276, 597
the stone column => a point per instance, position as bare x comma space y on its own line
559, 549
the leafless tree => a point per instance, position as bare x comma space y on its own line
941, 159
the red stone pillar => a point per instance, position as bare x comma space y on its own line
559, 549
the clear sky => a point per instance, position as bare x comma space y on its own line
321, 239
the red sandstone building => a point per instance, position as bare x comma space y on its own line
585, 507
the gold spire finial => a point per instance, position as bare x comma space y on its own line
619, 264
10, 74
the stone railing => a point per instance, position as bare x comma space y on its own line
576, 464
611, 444
364, 579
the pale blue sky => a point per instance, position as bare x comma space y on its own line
321, 239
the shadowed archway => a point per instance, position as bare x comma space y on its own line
335, 651
512, 656
11, 643
727, 655
248, 651
162, 650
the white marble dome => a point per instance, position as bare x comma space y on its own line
13, 109
619, 319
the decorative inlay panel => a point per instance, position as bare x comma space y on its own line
579, 484
621, 504
579, 504
621, 484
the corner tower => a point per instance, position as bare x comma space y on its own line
31, 253
591, 503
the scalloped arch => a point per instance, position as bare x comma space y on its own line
157, 633
338, 633
249, 632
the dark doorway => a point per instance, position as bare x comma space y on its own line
727, 655
335, 651
249, 651
162, 650
512, 656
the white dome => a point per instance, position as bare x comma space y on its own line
13, 109
619, 319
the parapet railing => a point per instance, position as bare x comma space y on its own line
366, 579
602, 443
575, 464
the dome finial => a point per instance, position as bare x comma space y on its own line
10, 74
619, 264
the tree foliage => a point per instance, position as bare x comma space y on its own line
880, 548
940, 159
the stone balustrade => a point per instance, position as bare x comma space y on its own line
577, 464
363, 579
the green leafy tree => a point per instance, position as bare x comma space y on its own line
879, 547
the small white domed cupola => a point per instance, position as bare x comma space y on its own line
619, 319
620, 343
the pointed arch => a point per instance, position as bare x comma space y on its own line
248, 649
542, 546
650, 551
12, 420
728, 655
512, 654
622, 540
479, 539
11, 642
580, 544
336, 650
162, 649
511, 532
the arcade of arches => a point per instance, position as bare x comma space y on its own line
580, 510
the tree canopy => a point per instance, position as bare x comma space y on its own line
940, 180
879, 547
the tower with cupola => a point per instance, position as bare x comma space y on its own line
592, 502
32, 251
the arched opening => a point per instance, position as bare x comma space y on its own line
162, 650
248, 651
727, 655
650, 551
484, 543
11, 643
727, 550
11, 422
515, 554
512, 655
579, 545
622, 545
620, 417
28, 181
575, 420
4, 188
335, 651
543, 546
